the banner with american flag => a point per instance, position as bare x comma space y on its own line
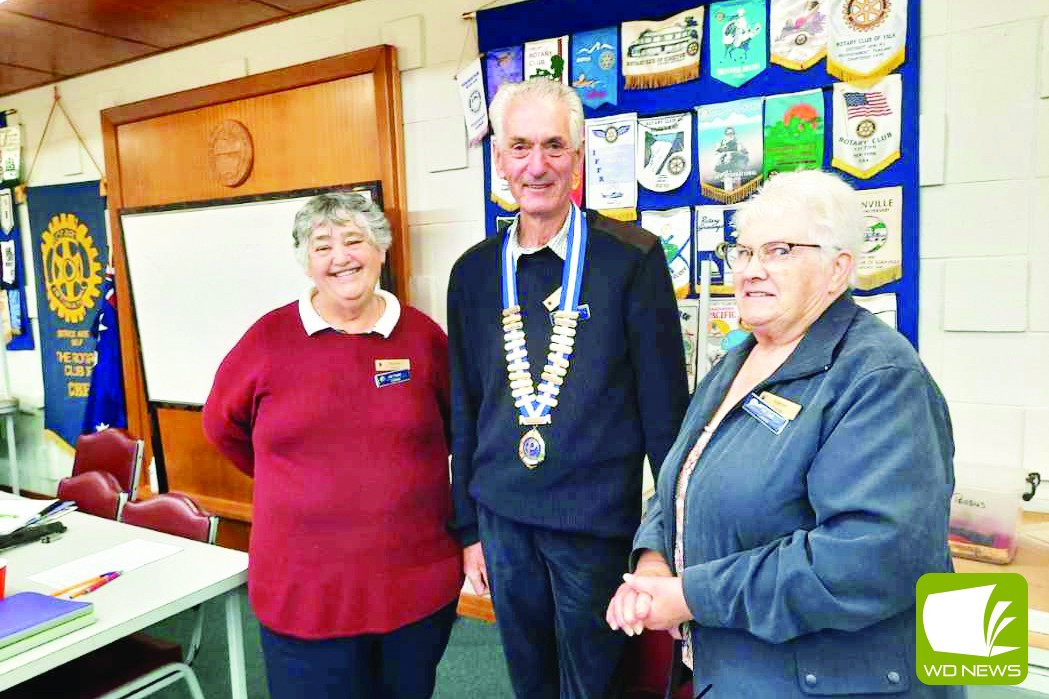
867, 126
867, 38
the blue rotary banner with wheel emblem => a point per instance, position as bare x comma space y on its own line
69, 251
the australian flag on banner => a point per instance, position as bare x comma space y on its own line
105, 401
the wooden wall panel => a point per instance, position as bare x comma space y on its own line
194, 466
311, 136
333, 121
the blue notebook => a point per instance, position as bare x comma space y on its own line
27, 613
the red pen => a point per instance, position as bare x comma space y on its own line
103, 579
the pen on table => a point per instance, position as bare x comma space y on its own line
56, 505
94, 586
76, 587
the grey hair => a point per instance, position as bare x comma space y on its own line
341, 209
827, 204
543, 89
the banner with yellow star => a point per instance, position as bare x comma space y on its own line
68, 231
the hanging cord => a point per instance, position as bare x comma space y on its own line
57, 103
471, 17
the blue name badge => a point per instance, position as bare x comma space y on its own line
584, 312
389, 378
763, 413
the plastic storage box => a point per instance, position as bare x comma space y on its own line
986, 510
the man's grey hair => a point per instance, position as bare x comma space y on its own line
828, 206
341, 209
538, 89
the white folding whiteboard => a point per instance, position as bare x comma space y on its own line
200, 277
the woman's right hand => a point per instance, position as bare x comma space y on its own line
628, 608
475, 569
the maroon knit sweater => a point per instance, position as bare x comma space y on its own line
351, 491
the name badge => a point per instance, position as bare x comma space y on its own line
392, 364
551, 301
390, 378
787, 408
584, 312
763, 413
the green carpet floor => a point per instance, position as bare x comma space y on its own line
473, 666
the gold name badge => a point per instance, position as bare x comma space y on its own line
551, 301
392, 364
787, 408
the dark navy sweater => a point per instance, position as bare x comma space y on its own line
623, 398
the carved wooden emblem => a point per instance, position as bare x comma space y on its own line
230, 152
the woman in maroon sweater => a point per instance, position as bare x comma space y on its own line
337, 406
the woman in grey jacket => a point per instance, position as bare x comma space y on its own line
810, 484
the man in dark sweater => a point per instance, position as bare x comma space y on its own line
567, 369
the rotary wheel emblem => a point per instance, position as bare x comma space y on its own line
71, 269
606, 60
676, 165
866, 128
865, 15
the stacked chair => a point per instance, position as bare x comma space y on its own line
106, 471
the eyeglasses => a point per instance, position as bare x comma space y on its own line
550, 149
770, 254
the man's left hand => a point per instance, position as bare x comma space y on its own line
668, 608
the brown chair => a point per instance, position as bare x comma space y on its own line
114, 451
94, 492
139, 664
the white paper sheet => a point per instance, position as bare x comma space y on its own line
123, 558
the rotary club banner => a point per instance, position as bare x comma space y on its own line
730, 149
688, 312
611, 179
867, 126
738, 41
724, 329
16, 329
471, 95
69, 246
499, 188
503, 66
881, 260
664, 52
664, 151
713, 231
867, 39
595, 66
881, 305
546, 59
674, 228
793, 132
800, 29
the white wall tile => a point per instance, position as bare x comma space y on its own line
456, 195
932, 149
1036, 359
989, 434
1039, 259
934, 74
447, 144
984, 218
986, 294
930, 316
965, 14
933, 18
993, 65
406, 33
1042, 139
435, 248
993, 142
983, 368
430, 93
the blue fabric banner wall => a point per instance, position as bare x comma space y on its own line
69, 248
513, 25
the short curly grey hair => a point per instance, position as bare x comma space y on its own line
340, 208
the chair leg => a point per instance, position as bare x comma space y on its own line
194, 685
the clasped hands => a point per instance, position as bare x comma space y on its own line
651, 598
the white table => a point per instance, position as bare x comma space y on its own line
137, 599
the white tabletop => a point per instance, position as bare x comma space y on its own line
130, 603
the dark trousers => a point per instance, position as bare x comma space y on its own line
401, 664
550, 591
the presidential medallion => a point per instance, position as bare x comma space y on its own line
532, 448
